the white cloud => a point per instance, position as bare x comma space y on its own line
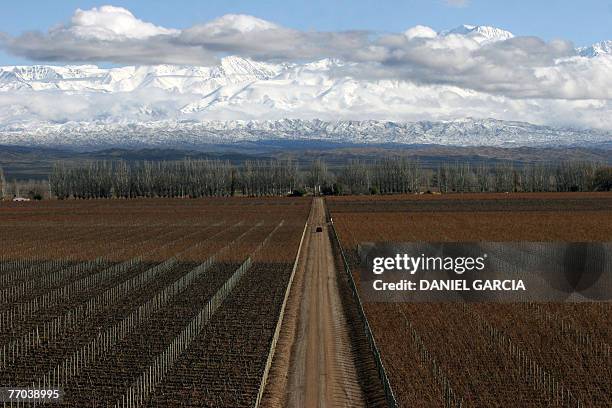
420, 31
241, 23
112, 23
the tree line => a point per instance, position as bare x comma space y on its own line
188, 178
400, 175
206, 178
2, 184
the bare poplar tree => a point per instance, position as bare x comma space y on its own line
356, 177
201, 178
482, 178
318, 175
2, 184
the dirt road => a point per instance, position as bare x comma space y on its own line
313, 365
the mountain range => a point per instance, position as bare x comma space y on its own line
242, 100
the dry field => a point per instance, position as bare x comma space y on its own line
144, 302
485, 355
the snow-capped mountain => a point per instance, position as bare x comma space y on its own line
597, 49
466, 132
481, 34
240, 99
180, 79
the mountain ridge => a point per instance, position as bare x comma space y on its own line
464, 132
257, 100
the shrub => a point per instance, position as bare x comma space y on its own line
297, 193
35, 195
602, 179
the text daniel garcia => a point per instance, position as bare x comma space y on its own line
409, 264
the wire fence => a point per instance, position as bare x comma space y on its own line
382, 374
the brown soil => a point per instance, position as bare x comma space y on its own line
313, 364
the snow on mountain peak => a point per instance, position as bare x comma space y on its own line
172, 133
35, 73
175, 78
481, 34
597, 49
235, 65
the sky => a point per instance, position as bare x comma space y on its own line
582, 22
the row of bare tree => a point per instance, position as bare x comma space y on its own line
2, 184
188, 178
389, 176
200, 178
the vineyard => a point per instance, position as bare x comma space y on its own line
483, 355
176, 302
144, 302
